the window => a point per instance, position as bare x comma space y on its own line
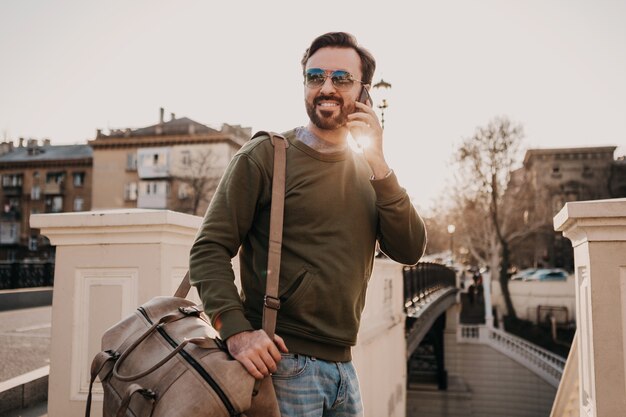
79, 179
557, 204
151, 188
12, 231
186, 158
13, 205
12, 180
55, 177
130, 191
35, 193
78, 204
32, 243
183, 191
54, 204
131, 161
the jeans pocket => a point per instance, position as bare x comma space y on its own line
291, 365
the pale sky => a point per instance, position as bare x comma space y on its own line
557, 67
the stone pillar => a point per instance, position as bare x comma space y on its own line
380, 354
107, 264
597, 230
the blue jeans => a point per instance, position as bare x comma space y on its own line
310, 387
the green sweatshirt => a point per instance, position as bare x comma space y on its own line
334, 214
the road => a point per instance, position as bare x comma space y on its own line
24, 340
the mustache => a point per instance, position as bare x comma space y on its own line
321, 98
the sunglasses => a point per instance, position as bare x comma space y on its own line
342, 80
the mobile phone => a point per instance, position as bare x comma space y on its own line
365, 96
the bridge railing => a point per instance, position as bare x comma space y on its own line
422, 280
26, 274
542, 362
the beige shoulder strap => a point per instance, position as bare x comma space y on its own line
271, 303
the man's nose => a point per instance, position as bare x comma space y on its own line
328, 86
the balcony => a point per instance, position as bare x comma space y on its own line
153, 163
54, 188
12, 190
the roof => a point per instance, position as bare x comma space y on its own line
48, 153
582, 150
182, 126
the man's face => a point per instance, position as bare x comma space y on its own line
327, 107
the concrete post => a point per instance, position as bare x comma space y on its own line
107, 263
597, 230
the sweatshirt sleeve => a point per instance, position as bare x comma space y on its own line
225, 225
402, 234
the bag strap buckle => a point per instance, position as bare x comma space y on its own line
271, 302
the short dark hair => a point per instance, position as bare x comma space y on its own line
343, 40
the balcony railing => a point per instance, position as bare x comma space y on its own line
12, 190
52, 188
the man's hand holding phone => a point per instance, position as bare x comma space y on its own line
363, 123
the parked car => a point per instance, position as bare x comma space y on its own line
551, 274
519, 276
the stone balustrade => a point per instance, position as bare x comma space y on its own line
110, 262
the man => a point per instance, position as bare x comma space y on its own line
338, 203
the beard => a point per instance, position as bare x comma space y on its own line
325, 119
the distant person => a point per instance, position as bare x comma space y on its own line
478, 285
338, 204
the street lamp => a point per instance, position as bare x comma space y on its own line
382, 84
451, 230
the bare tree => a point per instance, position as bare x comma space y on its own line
486, 160
199, 177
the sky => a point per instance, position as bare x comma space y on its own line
556, 67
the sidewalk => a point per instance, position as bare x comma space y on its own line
25, 348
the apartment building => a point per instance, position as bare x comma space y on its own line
554, 177
174, 164
38, 177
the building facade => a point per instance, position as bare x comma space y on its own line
174, 164
553, 177
38, 177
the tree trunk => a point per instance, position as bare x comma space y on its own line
504, 280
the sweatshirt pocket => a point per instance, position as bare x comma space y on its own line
297, 289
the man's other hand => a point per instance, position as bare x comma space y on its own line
256, 352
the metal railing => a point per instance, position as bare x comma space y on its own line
26, 274
422, 280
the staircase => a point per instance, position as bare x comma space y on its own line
542, 362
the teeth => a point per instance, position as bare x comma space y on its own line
328, 104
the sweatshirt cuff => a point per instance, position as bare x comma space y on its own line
230, 323
387, 188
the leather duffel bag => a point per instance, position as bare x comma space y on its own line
161, 361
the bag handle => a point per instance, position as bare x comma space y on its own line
167, 319
132, 390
